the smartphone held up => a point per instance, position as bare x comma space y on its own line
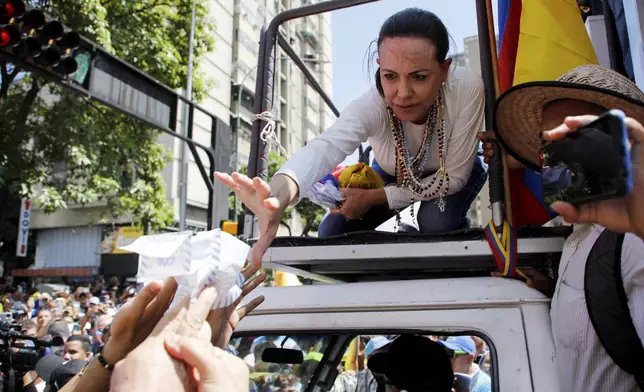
593, 163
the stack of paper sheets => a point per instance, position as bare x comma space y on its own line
212, 258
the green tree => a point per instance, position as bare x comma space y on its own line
310, 214
59, 148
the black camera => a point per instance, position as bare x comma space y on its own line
19, 353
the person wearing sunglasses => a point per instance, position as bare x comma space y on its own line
462, 352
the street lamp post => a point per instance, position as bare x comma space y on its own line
238, 122
183, 195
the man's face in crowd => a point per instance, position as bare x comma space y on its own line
44, 317
461, 363
74, 350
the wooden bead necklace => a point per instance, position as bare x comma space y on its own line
409, 171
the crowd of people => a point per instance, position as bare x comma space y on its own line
423, 119
79, 315
93, 328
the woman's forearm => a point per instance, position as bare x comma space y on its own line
376, 197
285, 189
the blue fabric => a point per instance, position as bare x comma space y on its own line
374, 344
481, 382
504, 9
429, 217
534, 181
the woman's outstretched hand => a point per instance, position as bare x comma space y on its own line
266, 205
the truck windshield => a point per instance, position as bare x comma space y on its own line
286, 377
464, 362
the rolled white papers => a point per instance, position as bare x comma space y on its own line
212, 258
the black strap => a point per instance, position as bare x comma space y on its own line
607, 305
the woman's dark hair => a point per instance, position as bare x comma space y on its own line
414, 22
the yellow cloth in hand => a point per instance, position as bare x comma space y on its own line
361, 176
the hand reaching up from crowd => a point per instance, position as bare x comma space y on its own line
131, 326
149, 367
217, 370
223, 321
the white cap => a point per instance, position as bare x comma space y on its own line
94, 301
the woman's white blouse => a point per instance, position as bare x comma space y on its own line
366, 120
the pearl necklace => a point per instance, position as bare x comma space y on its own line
409, 171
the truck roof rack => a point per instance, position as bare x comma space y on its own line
371, 255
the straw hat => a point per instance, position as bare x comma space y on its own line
517, 119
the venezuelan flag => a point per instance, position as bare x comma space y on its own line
538, 40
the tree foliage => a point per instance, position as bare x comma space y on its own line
310, 214
61, 149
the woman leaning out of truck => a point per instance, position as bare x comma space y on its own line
421, 118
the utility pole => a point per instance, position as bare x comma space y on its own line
183, 195
238, 124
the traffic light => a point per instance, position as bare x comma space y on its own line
31, 36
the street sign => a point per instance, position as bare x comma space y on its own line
23, 228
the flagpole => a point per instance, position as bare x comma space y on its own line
495, 166
497, 89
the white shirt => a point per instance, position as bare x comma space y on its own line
366, 119
582, 362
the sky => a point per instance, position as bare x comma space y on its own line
354, 28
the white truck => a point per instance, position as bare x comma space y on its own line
510, 317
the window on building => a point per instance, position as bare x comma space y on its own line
284, 137
284, 87
284, 113
284, 62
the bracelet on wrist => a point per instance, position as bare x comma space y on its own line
103, 361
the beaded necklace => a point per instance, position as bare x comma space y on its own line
409, 170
